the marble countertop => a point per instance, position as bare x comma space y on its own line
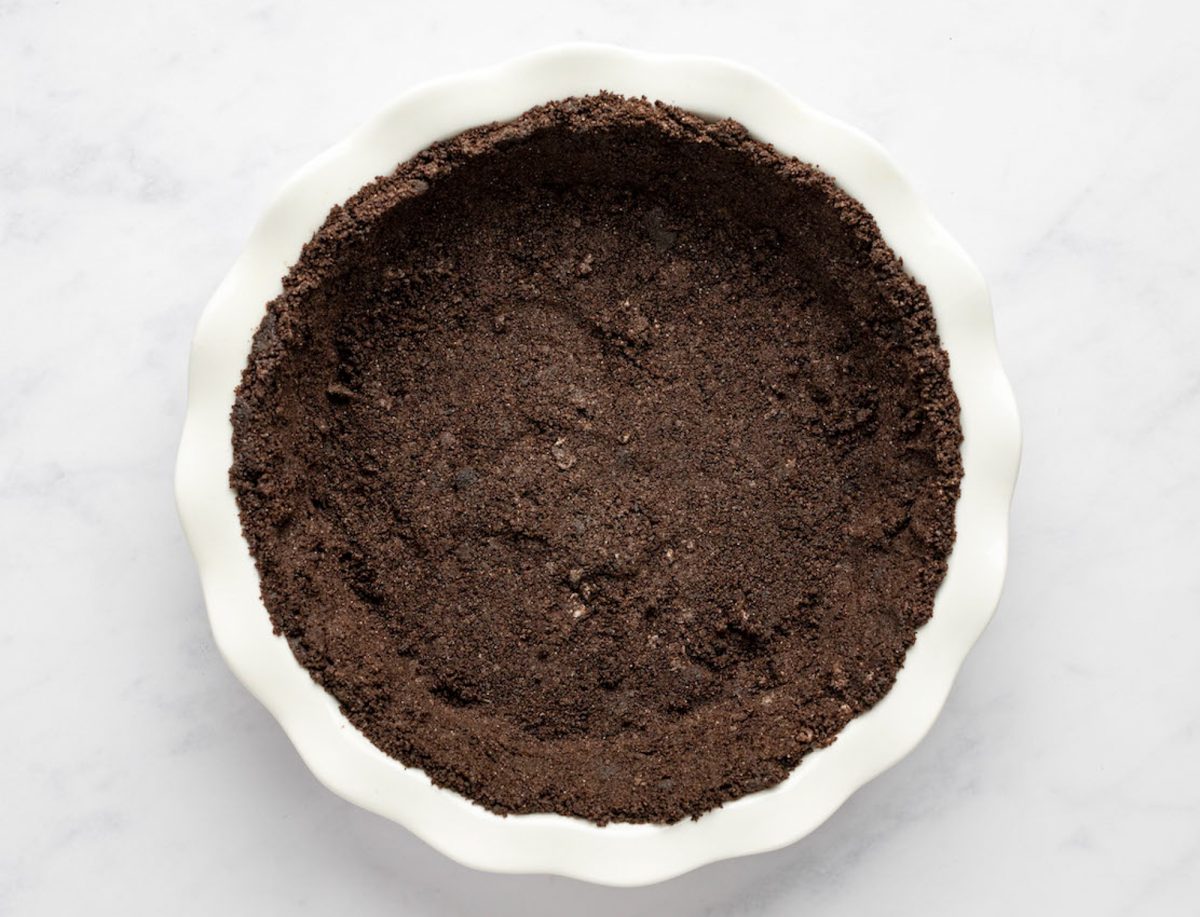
1057, 142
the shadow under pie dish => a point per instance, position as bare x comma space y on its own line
603, 462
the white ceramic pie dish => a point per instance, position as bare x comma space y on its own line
619, 854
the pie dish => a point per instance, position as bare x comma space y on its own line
617, 853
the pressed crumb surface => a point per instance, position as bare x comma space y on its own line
603, 462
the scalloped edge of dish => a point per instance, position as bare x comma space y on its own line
618, 854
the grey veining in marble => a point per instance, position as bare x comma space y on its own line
1057, 141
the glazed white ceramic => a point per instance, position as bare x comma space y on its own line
617, 854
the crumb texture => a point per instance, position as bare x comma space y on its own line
603, 462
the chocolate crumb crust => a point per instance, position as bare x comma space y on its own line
603, 462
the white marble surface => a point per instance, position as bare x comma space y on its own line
138, 142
